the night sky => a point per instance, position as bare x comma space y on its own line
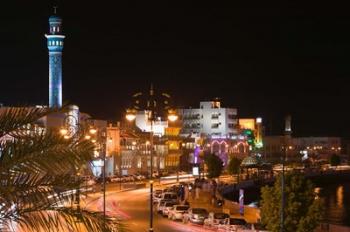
266, 60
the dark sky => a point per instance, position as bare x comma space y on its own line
266, 60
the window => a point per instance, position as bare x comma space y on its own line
61, 43
54, 29
215, 116
215, 125
231, 125
49, 43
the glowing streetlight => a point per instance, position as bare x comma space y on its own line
92, 131
172, 116
130, 115
63, 131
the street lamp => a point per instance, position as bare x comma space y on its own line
172, 116
130, 115
63, 131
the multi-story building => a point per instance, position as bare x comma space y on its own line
210, 120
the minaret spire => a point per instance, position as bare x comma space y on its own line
55, 40
55, 10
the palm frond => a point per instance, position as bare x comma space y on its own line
37, 169
20, 118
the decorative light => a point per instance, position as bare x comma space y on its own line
130, 115
63, 131
134, 143
259, 120
110, 140
94, 140
92, 131
172, 117
148, 143
66, 137
87, 137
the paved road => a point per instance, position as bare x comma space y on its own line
133, 207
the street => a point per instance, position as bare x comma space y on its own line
133, 207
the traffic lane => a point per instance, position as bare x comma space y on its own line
133, 208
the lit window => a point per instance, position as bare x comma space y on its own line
61, 43
49, 43
58, 29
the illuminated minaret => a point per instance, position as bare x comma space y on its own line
55, 45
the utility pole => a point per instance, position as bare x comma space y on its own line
287, 137
151, 182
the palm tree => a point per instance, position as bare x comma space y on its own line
37, 166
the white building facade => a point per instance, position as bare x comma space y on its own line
210, 119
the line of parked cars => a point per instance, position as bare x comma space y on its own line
167, 204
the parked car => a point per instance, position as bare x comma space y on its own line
161, 205
167, 207
177, 212
115, 179
157, 195
233, 224
170, 196
99, 180
139, 177
216, 219
195, 215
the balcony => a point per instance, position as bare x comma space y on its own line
191, 117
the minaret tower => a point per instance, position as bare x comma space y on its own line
55, 46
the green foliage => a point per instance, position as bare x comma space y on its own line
36, 166
214, 164
233, 166
334, 160
303, 210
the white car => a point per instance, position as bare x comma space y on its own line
216, 219
167, 207
233, 225
157, 196
177, 212
170, 197
161, 205
115, 179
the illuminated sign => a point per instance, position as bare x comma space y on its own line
247, 123
195, 171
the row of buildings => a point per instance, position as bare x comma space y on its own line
174, 144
